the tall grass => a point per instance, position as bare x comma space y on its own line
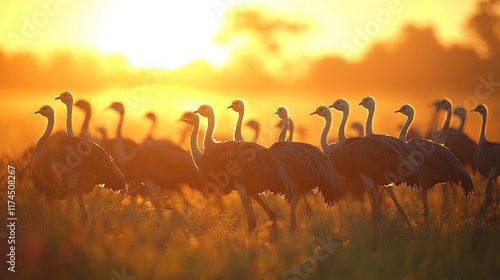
207, 239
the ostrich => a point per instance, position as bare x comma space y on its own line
306, 166
356, 189
244, 166
255, 126
104, 133
67, 99
437, 163
291, 129
239, 107
158, 164
367, 161
487, 158
461, 145
154, 122
357, 126
459, 111
369, 103
87, 110
70, 164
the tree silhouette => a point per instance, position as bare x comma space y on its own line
484, 27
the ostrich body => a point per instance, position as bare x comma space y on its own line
158, 164
487, 158
69, 164
437, 163
306, 166
366, 161
461, 145
244, 166
369, 103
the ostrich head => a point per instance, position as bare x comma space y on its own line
368, 102
117, 106
253, 124
102, 130
66, 98
481, 109
322, 111
406, 110
282, 112
205, 111
151, 116
190, 118
82, 104
340, 105
46, 111
460, 111
444, 104
237, 105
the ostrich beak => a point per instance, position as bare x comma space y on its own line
437, 102
313, 113
360, 103
398, 111
331, 106
37, 112
58, 98
196, 112
230, 106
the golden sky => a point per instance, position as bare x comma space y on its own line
170, 34
173, 33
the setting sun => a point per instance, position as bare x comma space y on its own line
161, 33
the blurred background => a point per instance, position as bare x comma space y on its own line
172, 56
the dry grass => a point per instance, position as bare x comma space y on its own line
209, 240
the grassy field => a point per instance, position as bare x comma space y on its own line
129, 238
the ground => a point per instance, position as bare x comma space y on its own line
131, 238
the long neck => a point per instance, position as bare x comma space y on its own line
151, 130
86, 121
324, 134
291, 129
284, 128
369, 120
482, 136
256, 136
404, 129
461, 125
193, 143
237, 129
119, 145
341, 133
69, 117
448, 118
41, 142
209, 134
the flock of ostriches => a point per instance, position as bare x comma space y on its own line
64, 165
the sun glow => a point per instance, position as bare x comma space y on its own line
166, 34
